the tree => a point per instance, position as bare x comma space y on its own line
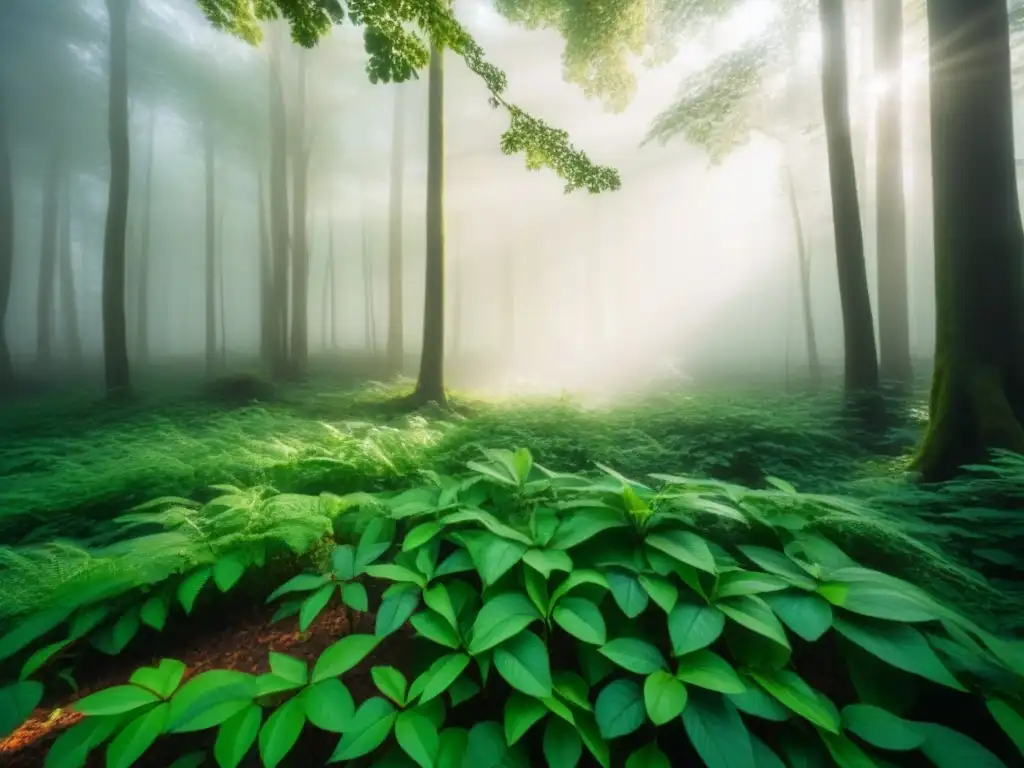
279, 234
977, 396
142, 280
210, 275
301, 149
396, 313
68, 296
47, 285
6, 241
115, 336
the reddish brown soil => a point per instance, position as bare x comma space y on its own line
240, 640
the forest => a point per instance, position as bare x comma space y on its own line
511, 383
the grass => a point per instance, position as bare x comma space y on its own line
70, 470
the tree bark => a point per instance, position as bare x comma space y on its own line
977, 398
6, 242
267, 319
893, 300
804, 266
68, 294
860, 357
396, 314
142, 282
430, 383
47, 285
300, 244
210, 279
370, 309
278, 209
115, 334
220, 294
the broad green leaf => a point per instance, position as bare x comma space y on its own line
280, 732
485, 747
189, 589
686, 547
662, 591
664, 697
537, 590
878, 601
343, 562
620, 709
488, 521
343, 655
581, 619
391, 683
394, 572
40, 658
736, 583
210, 698
115, 701
162, 679
577, 579
692, 627
522, 712
547, 560
458, 561
845, 752
596, 744
764, 756
236, 736
138, 736
791, 689
154, 612
354, 596
947, 748
880, 728
631, 598
756, 702
291, 669
17, 702
634, 655
420, 535
898, 645
755, 614
227, 571
500, 618
563, 746
374, 542
807, 615
30, 629
463, 689
556, 706
304, 582
417, 737
438, 677
1010, 720
583, 525
329, 705
780, 564
708, 670
572, 688
431, 626
313, 605
717, 732
492, 555
114, 639
367, 730
395, 609
437, 599
648, 756
524, 663
452, 747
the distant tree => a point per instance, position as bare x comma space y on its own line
396, 308
6, 240
68, 295
210, 229
49, 244
145, 246
279, 234
300, 150
977, 397
369, 305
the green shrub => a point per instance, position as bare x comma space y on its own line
556, 616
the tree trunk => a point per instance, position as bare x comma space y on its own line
396, 314
142, 282
861, 362
804, 265
455, 267
220, 294
68, 297
46, 289
430, 383
893, 301
278, 209
325, 297
115, 333
333, 288
977, 399
300, 245
210, 280
370, 309
267, 319
6, 242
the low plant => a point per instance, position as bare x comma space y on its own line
556, 616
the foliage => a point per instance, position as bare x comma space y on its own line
606, 618
396, 53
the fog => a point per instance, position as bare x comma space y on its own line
690, 266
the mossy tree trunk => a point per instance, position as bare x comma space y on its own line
6, 242
977, 399
430, 382
891, 226
860, 357
396, 313
116, 367
47, 284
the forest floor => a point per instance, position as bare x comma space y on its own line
70, 472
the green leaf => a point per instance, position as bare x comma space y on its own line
947, 748
620, 709
664, 697
438, 677
736, 583
227, 571
463, 689
545, 561
586, 724
343, 655
313, 605
154, 612
845, 752
210, 698
236, 736
686, 547
329, 705
282, 729
39, 659
189, 589
791, 689
808, 616
764, 756
708, 670
717, 731
86, 620
563, 746
434, 628
755, 614
354, 596
395, 609
458, 561
522, 712
304, 582
500, 618
138, 736
485, 747
343, 562
754, 701
17, 702
1010, 720
288, 668
662, 591
887, 598
880, 728
162, 679
578, 579
374, 542
581, 619
648, 757
391, 683
420, 535
537, 590
780, 564
30, 629
113, 640
692, 627
573, 689
452, 747
898, 645
631, 598
634, 655
399, 573
523, 661
417, 737
367, 730
583, 525
115, 700
493, 556
438, 599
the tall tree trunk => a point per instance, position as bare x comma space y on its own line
279, 208
326, 295
455, 267
300, 245
210, 279
430, 383
142, 282
266, 279
804, 266
861, 362
68, 297
977, 399
115, 333
220, 292
6, 242
47, 286
396, 314
371, 309
893, 301
334, 290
